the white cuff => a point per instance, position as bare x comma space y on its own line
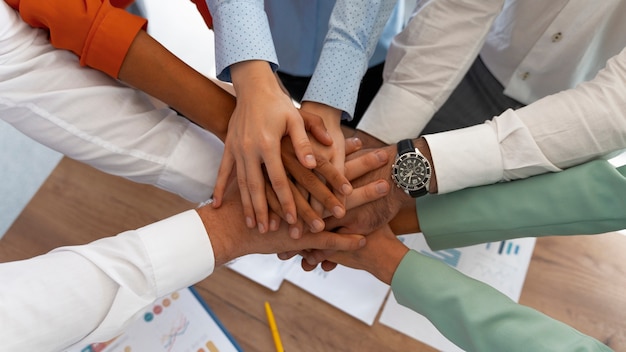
180, 251
465, 157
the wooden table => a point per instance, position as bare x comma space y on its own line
580, 280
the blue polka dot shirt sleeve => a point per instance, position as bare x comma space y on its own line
241, 33
354, 29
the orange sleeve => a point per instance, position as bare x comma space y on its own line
95, 30
203, 8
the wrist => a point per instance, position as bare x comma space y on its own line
253, 75
421, 144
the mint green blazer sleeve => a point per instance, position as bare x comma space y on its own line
477, 317
586, 199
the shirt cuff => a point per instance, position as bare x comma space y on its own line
242, 33
109, 39
396, 114
465, 157
192, 261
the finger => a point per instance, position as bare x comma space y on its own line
301, 144
314, 124
365, 163
274, 221
353, 144
287, 255
368, 193
328, 265
333, 176
306, 214
317, 188
331, 240
223, 175
306, 266
246, 201
280, 185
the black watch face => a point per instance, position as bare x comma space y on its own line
411, 171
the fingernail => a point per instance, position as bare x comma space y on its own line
261, 228
249, 222
382, 156
346, 189
311, 261
290, 219
310, 160
294, 233
357, 141
273, 225
362, 242
317, 225
382, 187
338, 211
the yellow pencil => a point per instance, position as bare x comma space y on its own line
273, 327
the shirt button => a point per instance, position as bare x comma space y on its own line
524, 75
556, 37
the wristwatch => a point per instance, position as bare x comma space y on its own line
411, 171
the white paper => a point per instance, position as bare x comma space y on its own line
355, 292
264, 269
503, 265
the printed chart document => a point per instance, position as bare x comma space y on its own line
356, 292
178, 322
503, 265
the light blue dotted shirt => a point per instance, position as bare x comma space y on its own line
242, 32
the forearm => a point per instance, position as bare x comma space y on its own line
424, 64
475, 316
591, 114
95, 289
354, 30
586, 199
152, 68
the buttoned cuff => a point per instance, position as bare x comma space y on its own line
465, 157
396, 114
180, 251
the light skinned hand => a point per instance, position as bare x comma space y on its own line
263, 115
337, 154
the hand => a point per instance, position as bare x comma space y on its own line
231, 238
373, 215
358, 165
263, 115
380, 256
308, 183
336, 155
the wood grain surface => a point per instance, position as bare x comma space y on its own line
580, 280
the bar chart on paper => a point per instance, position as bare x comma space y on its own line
503, 265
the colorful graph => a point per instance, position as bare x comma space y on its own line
506, 247
448, 256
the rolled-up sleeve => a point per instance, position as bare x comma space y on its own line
98, 31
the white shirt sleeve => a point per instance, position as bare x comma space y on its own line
555, 132
425, 62
89, 293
